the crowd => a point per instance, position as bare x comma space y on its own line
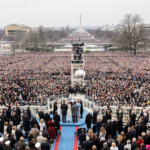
111, 134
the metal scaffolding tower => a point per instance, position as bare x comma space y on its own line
77, 64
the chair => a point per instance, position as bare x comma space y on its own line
78, 132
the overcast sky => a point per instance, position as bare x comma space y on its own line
66, 12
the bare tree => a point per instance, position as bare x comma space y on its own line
34, 39
133, 33
13, 47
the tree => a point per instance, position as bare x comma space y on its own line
133, 33
13, 47
34, 39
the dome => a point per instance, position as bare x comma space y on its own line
80, 72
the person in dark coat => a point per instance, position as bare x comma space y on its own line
133, 117
28, 112
45, 145
12, 141
145, 119
64, 108
87, 145
33, 122
96, 142
108, 129
133, 131
51, 129
120, 145
45, 133
8, 113
18, 133
134, 144
88, 120
47, 117
98, 125
129, 134
119, 125
137, 127
14, 119
81, 109
30, 137
26, 123
1, 143
74, 109
55, 107
114, 128
7, 146
3, 120
9, 128
56, 119
18, 112
41, 115
94, 117
126, 127
82, 137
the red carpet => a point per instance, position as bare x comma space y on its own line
76, 140
57, 140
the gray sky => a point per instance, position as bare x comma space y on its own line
66, 12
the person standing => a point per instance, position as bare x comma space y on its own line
68, 111
74, 112
81, 108
51, 129
59, 108
55, 106
56, 119
88, 120
26, 123
64, 108
47, 117
28, 112
79, 105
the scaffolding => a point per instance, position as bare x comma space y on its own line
77, 64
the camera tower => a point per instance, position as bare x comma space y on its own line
77, 64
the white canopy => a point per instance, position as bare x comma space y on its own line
80, 72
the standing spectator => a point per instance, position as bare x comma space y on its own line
79, 105
56, 119
51, 129
108, 128
133, 117
42, 124
1, 143
9, 128
96, 142
12, 141
143, 147
82, 137
68, 111
91, 135
45, 145
30, 137
137, 127
41, 114
14, 119
7, 146
35, 132
105, 146
47, 117
94, 120
120, 145
22, 144
114, 126
108, 117
13, 131
64, 108
33, 122
40, 138
28, 112
74, 112
133, 131
140, 141
129, 134
102, 133
5, 126
134, 144
128, 146
87, 145
113, 146
44, 132
32, 144
98, 125
81, 109
55, 106
88, 120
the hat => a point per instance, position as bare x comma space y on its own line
1, 139
7, 142
37, 145
16, 145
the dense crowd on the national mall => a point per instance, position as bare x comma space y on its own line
111, 78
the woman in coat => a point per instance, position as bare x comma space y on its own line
68, 112
98, 125
79, 105
108, 116
42, 124
51, 129
114, 125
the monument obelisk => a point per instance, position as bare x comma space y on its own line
80, 23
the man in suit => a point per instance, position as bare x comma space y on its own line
12, 141
94, 120
82, 137
129, 134
81, 108
28, 112
55, 106
33, 122
56, 119
108, 129
45, 145
145, 120
137, 127
41, 115
74, 112
130, 110
105, 147
64, 108
18, 133
133, 117
22, 144
9, 128
14, 119
87, 145
88, 120
35, 132
18, 112
134, 144
133, 131
26, 123
40, 138
3, 119
45, 133
47, 117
